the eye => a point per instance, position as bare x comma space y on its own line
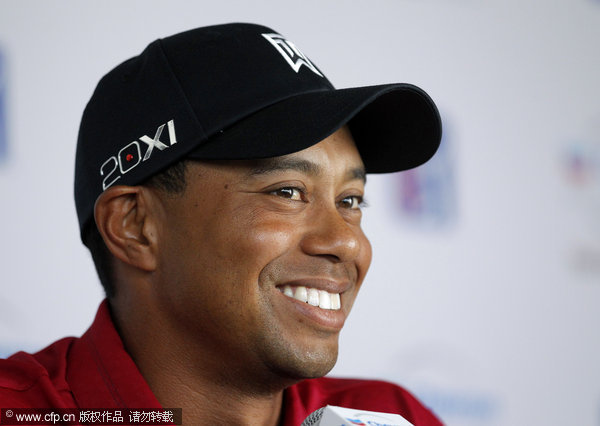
291, 193
352, 202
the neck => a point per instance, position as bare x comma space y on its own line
219, 405
185, 375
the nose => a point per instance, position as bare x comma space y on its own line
330, 235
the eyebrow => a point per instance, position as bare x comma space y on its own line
278, 164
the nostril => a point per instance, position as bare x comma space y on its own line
331, 257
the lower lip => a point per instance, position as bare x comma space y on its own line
326, 318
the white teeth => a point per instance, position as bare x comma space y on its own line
301, 294
313, 297
335, 301
321, 298
324, 300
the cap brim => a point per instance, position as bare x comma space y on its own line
396, 127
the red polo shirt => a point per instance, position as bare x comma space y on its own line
95, 371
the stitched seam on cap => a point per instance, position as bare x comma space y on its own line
180, 87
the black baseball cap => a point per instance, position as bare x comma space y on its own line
236, 91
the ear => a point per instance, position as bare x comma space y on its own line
125, 221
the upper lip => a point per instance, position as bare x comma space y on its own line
327, 284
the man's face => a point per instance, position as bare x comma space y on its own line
246, 240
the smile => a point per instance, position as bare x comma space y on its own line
312, 296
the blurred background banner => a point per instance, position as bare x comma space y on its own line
3, 84
483, 296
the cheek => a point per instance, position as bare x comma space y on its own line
266, 241
253, 241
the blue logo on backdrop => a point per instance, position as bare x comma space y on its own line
428, 193
3, 141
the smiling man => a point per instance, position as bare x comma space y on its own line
219, 183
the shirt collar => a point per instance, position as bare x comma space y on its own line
101, 374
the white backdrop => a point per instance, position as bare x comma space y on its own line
483, 294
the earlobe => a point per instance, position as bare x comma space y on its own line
126, 225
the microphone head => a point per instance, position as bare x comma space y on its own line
313, 418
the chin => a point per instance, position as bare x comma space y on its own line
306, 364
